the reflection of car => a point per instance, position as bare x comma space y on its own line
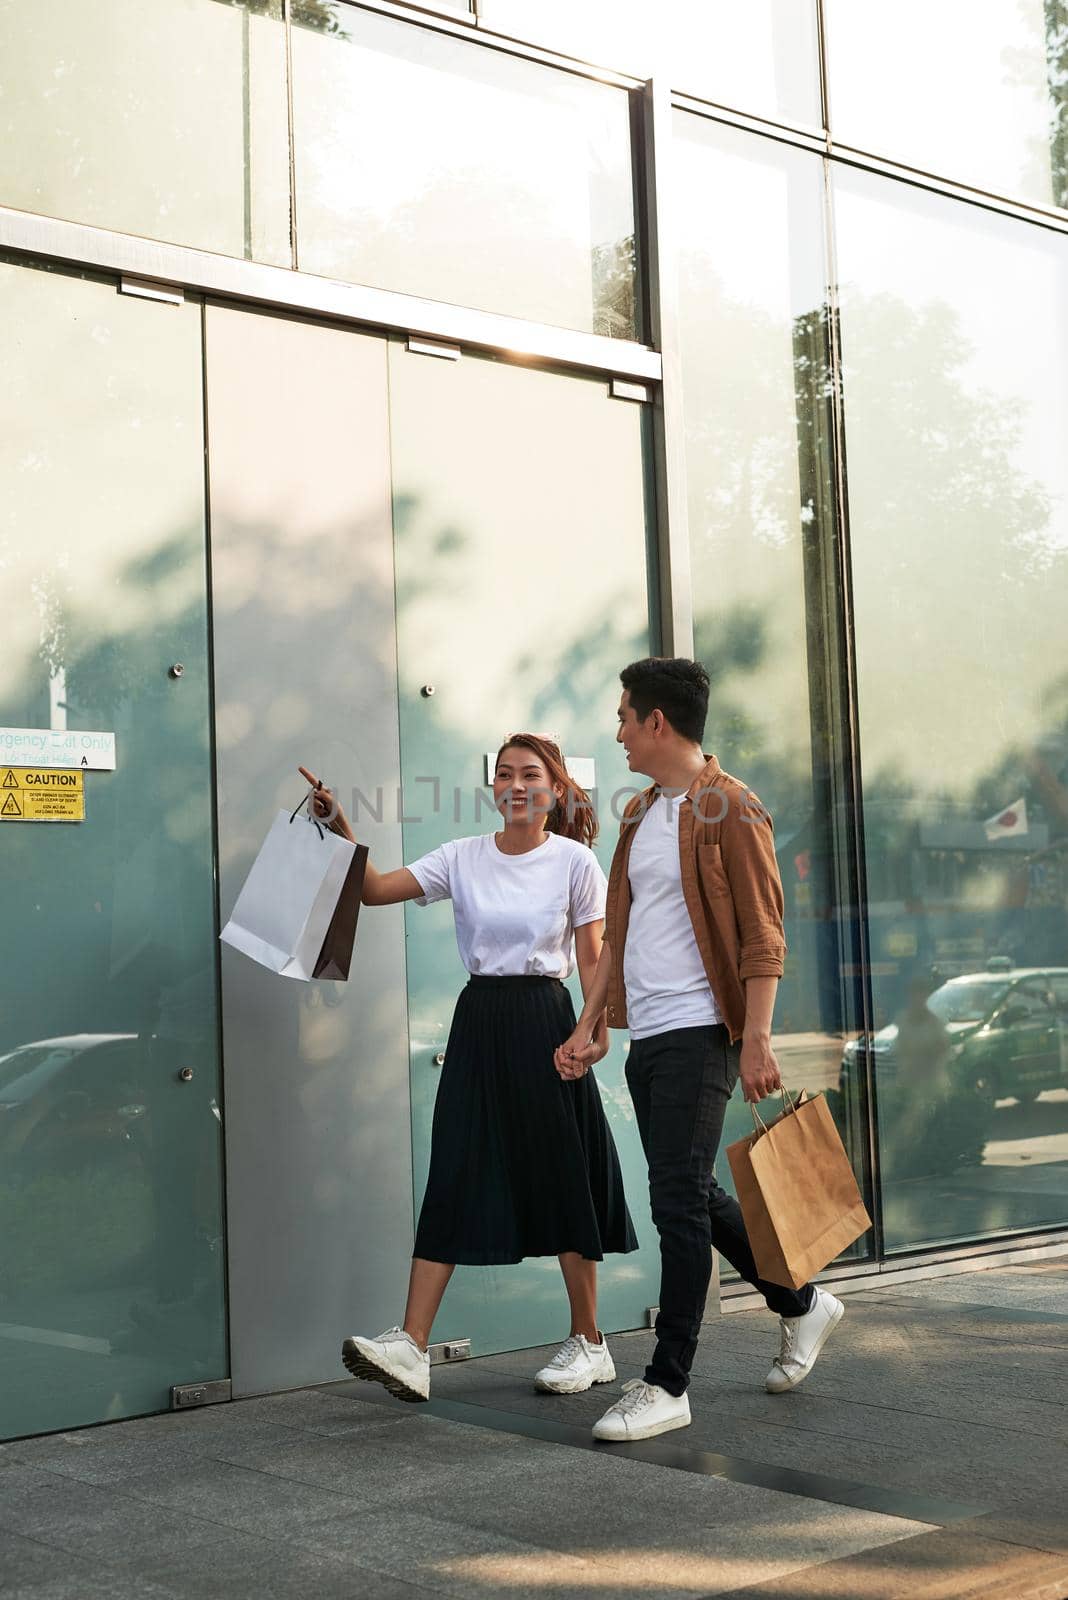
1006, 1033
67, 1100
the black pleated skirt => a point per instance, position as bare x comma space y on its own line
522, 1163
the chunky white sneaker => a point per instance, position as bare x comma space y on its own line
643, 1409
576, 1366
802, 1340
394, 1360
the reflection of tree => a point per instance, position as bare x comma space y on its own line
1046, 26
615, 282
1057, 75
326, 16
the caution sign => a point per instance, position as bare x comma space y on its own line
42, 794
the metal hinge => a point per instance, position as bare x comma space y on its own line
451, 1350
169, 293
184, 1395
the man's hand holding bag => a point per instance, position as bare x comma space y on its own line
799, 1197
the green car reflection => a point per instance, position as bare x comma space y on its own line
998, 1033
941, 1067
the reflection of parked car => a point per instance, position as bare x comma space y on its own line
1007, 1033
65, 1102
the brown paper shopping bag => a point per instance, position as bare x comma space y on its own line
335, 957
799, 1198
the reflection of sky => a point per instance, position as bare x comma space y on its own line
957, 88
116, 471
435, 167
1011, 311
973, 601
748, 214
759, 56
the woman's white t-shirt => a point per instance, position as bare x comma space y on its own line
515, 914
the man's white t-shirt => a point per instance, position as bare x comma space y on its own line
663, 974
515, 914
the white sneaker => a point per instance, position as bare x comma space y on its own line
394, 1360
802, 1340
576, 1366
644, 1409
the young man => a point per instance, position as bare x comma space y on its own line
692, 957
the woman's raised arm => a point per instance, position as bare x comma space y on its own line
379, 888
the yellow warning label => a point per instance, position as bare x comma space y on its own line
42, 794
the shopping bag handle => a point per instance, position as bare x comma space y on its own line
315, 820
788, 1105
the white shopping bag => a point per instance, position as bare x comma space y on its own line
284, 909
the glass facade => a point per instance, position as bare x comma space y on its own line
958, 496
407, 141
849, 491
174, 131
974, 90
761, 57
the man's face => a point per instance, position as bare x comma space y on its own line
637, 738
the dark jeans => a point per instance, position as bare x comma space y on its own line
680, 1083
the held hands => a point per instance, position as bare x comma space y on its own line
759, 1069
575, 1057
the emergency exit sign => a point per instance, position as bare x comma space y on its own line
42, 794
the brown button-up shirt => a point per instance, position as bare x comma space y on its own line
731, 884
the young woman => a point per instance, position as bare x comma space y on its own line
522, 1161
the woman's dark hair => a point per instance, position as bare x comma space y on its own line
573, 817
674, 685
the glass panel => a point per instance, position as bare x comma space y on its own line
761, 56
974, 89
749, 220
175, 129
958, 489
437, 167
490, 613
111, 1234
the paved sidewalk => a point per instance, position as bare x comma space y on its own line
926, 1456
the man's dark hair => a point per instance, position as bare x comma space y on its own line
674, 685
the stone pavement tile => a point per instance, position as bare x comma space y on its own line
1018, 1288
814, 1418
944, 1565
85, 1529
237, 1497
336, 1408
1038, 1526
25, 1561
1025, 1417
562, 1499
85, 1452
591, 1545
90, 1584
452, 1558
45, 1505
234, 1566
386, 1463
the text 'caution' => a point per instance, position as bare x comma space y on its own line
42, 794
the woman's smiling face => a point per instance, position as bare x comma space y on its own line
522, 788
